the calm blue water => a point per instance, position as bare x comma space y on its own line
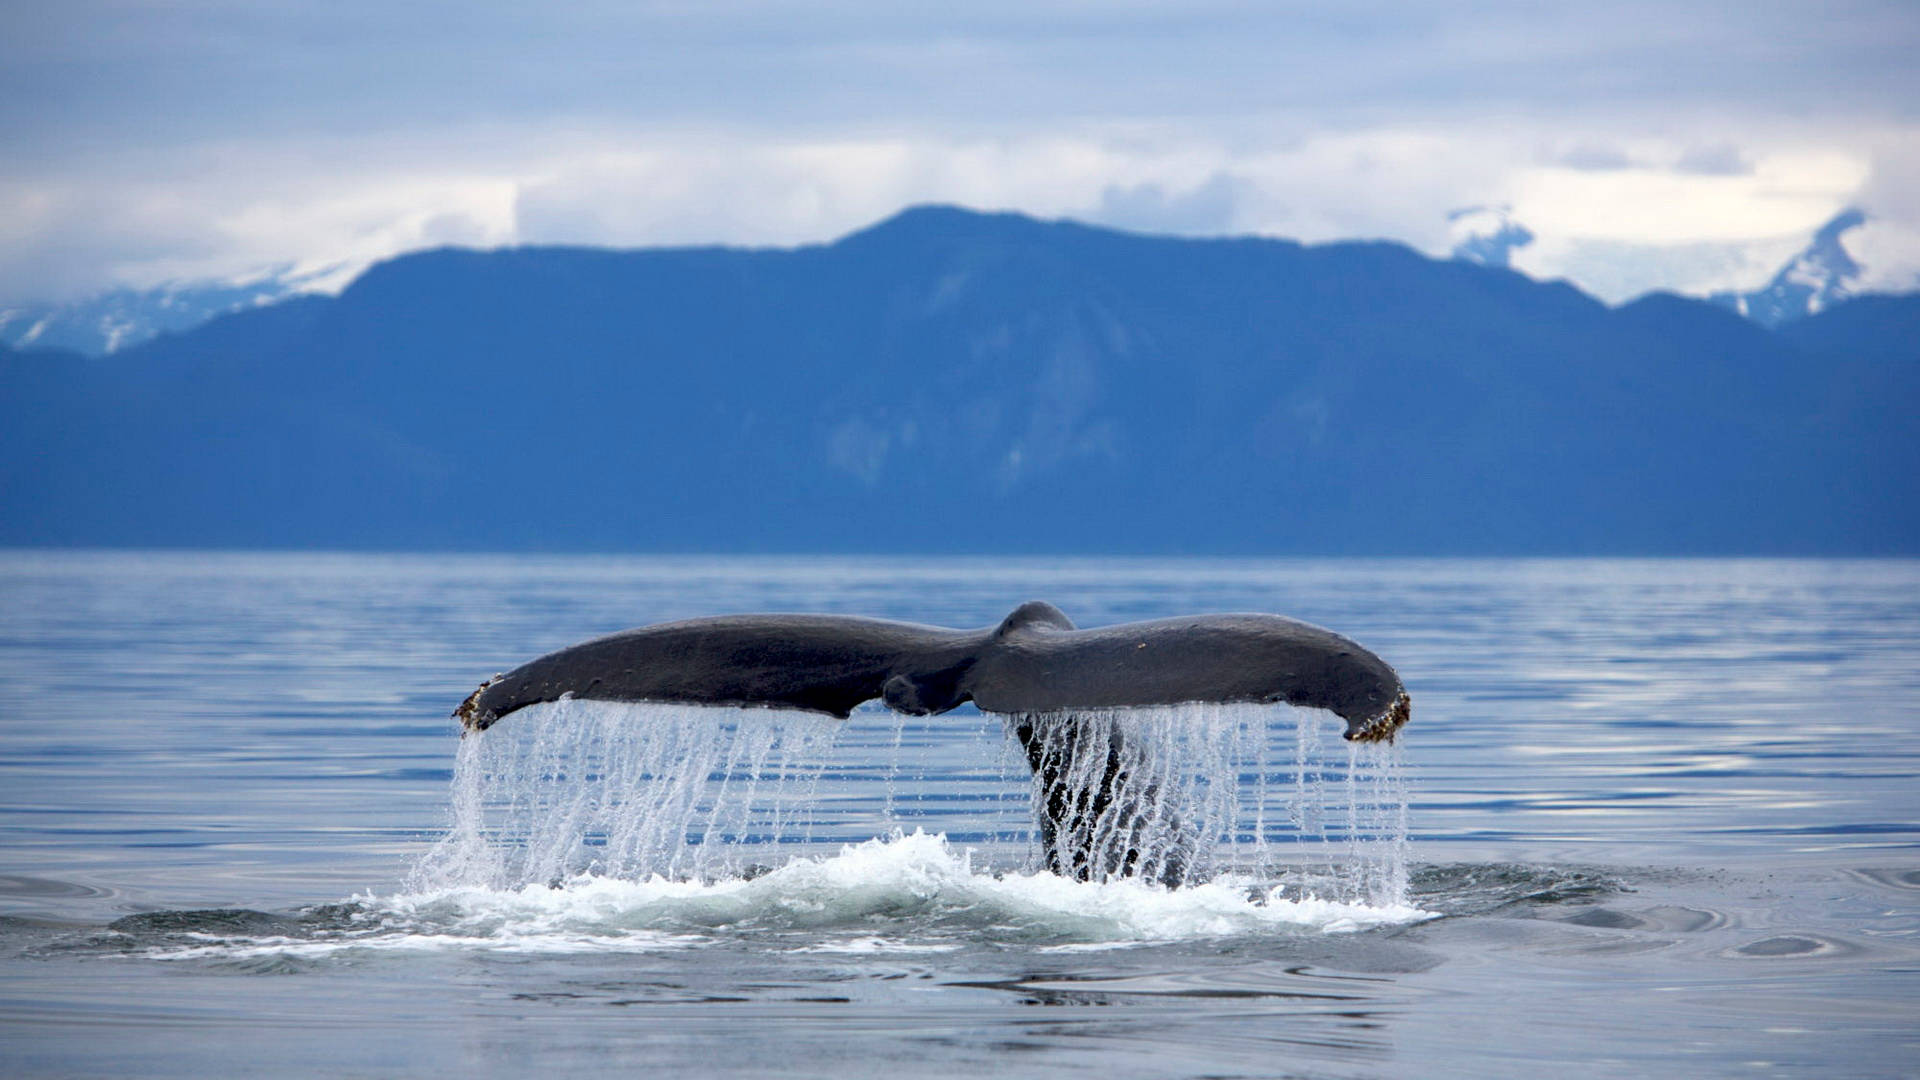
1664, 821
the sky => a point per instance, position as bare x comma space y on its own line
1688, 146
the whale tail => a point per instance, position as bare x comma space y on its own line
1035, 660
1035, 667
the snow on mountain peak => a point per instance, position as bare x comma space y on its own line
1820, 276
1486, 235
120, 318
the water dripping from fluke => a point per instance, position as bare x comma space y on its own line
618, 790
1182, 794
1173, 795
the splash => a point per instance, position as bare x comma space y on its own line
906, 893
578, 790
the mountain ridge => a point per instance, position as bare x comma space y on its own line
951, 381
118, 318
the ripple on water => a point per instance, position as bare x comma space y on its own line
1483, 888
1795, 946
47, 888
1904, 878
1665, 919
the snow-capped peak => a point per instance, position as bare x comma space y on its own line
124, 317
1486, 235
1821, 275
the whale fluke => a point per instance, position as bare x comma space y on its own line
1035, 665
1034, 661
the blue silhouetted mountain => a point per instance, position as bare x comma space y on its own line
953, 381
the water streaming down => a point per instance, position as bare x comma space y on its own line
1177, 794
1183, 793
627, 791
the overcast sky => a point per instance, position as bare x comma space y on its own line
1688, 146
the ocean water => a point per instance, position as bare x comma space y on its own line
1649, 818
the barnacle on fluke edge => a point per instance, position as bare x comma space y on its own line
1382, 728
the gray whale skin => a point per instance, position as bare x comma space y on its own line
1035, 662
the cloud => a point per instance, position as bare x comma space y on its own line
1209, 208
227, 210
1624, 232
1887, 247
1786, 193
1617, 270
227, 214
148, 141
1714, 159
85, 70
1590, 157
1888, 254
674, 189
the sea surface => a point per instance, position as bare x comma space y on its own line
1650, 818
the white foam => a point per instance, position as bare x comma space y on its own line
254, 948
906, 893
875, 946
584, 826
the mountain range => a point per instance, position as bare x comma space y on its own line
121, 318
963, 382
1821, 275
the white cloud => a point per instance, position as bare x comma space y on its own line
1888, 253
1663, 221
677, 190
161, 139
230, 212
1713, 159
1210, 207
1888, 245
1623, 232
